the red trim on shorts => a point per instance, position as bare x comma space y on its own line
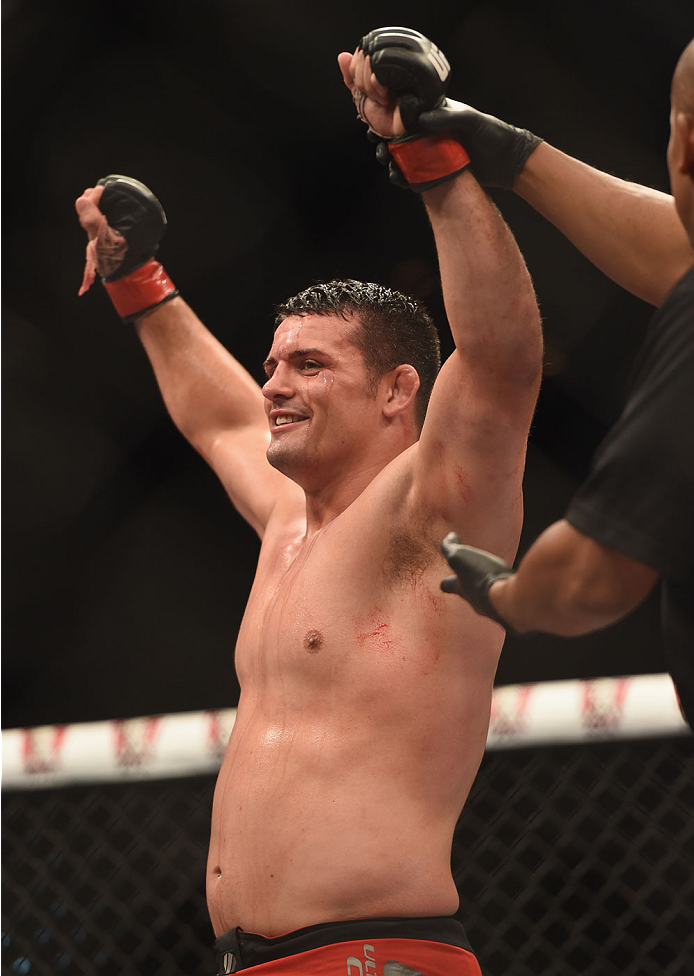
368, 958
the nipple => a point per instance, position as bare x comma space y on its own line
313, 641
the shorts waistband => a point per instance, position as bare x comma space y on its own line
237, 950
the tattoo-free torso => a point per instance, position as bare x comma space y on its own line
362, 719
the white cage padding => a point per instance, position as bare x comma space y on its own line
193, 743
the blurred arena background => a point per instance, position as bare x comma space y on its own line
126, 568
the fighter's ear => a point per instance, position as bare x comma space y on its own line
401, 389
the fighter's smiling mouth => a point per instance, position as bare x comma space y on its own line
283, 419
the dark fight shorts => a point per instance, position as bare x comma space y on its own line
365, 947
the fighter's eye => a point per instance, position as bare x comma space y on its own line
310, 364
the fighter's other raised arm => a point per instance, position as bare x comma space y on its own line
211, 398
472, 450
630, 232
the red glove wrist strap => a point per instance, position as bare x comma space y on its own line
142, 289
429, 158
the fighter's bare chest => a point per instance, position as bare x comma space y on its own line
305, 589
318, 601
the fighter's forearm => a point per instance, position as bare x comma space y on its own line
205, 389
631, 232
568, 584
489, 297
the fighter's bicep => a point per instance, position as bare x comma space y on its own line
471, 455
238, 459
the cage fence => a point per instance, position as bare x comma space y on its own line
574, 854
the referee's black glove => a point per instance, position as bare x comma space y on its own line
475, 571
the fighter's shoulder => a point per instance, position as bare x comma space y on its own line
287, 521
393, 483
387, 504
397, 538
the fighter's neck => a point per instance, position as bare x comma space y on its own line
325, 502
327, 496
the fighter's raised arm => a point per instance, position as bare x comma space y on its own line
211, 398
472, 449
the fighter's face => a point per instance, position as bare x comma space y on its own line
317, 398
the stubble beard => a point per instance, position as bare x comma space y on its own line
285, 460
297, 461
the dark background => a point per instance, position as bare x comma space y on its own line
126, 569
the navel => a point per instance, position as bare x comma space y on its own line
313, 641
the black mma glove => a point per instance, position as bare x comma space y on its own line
475, 570
498, 151
416, 73
410, 66
136, 283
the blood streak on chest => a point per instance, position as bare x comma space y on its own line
378, 635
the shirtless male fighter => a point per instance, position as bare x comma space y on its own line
363, 715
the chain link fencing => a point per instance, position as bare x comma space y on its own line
569, 860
